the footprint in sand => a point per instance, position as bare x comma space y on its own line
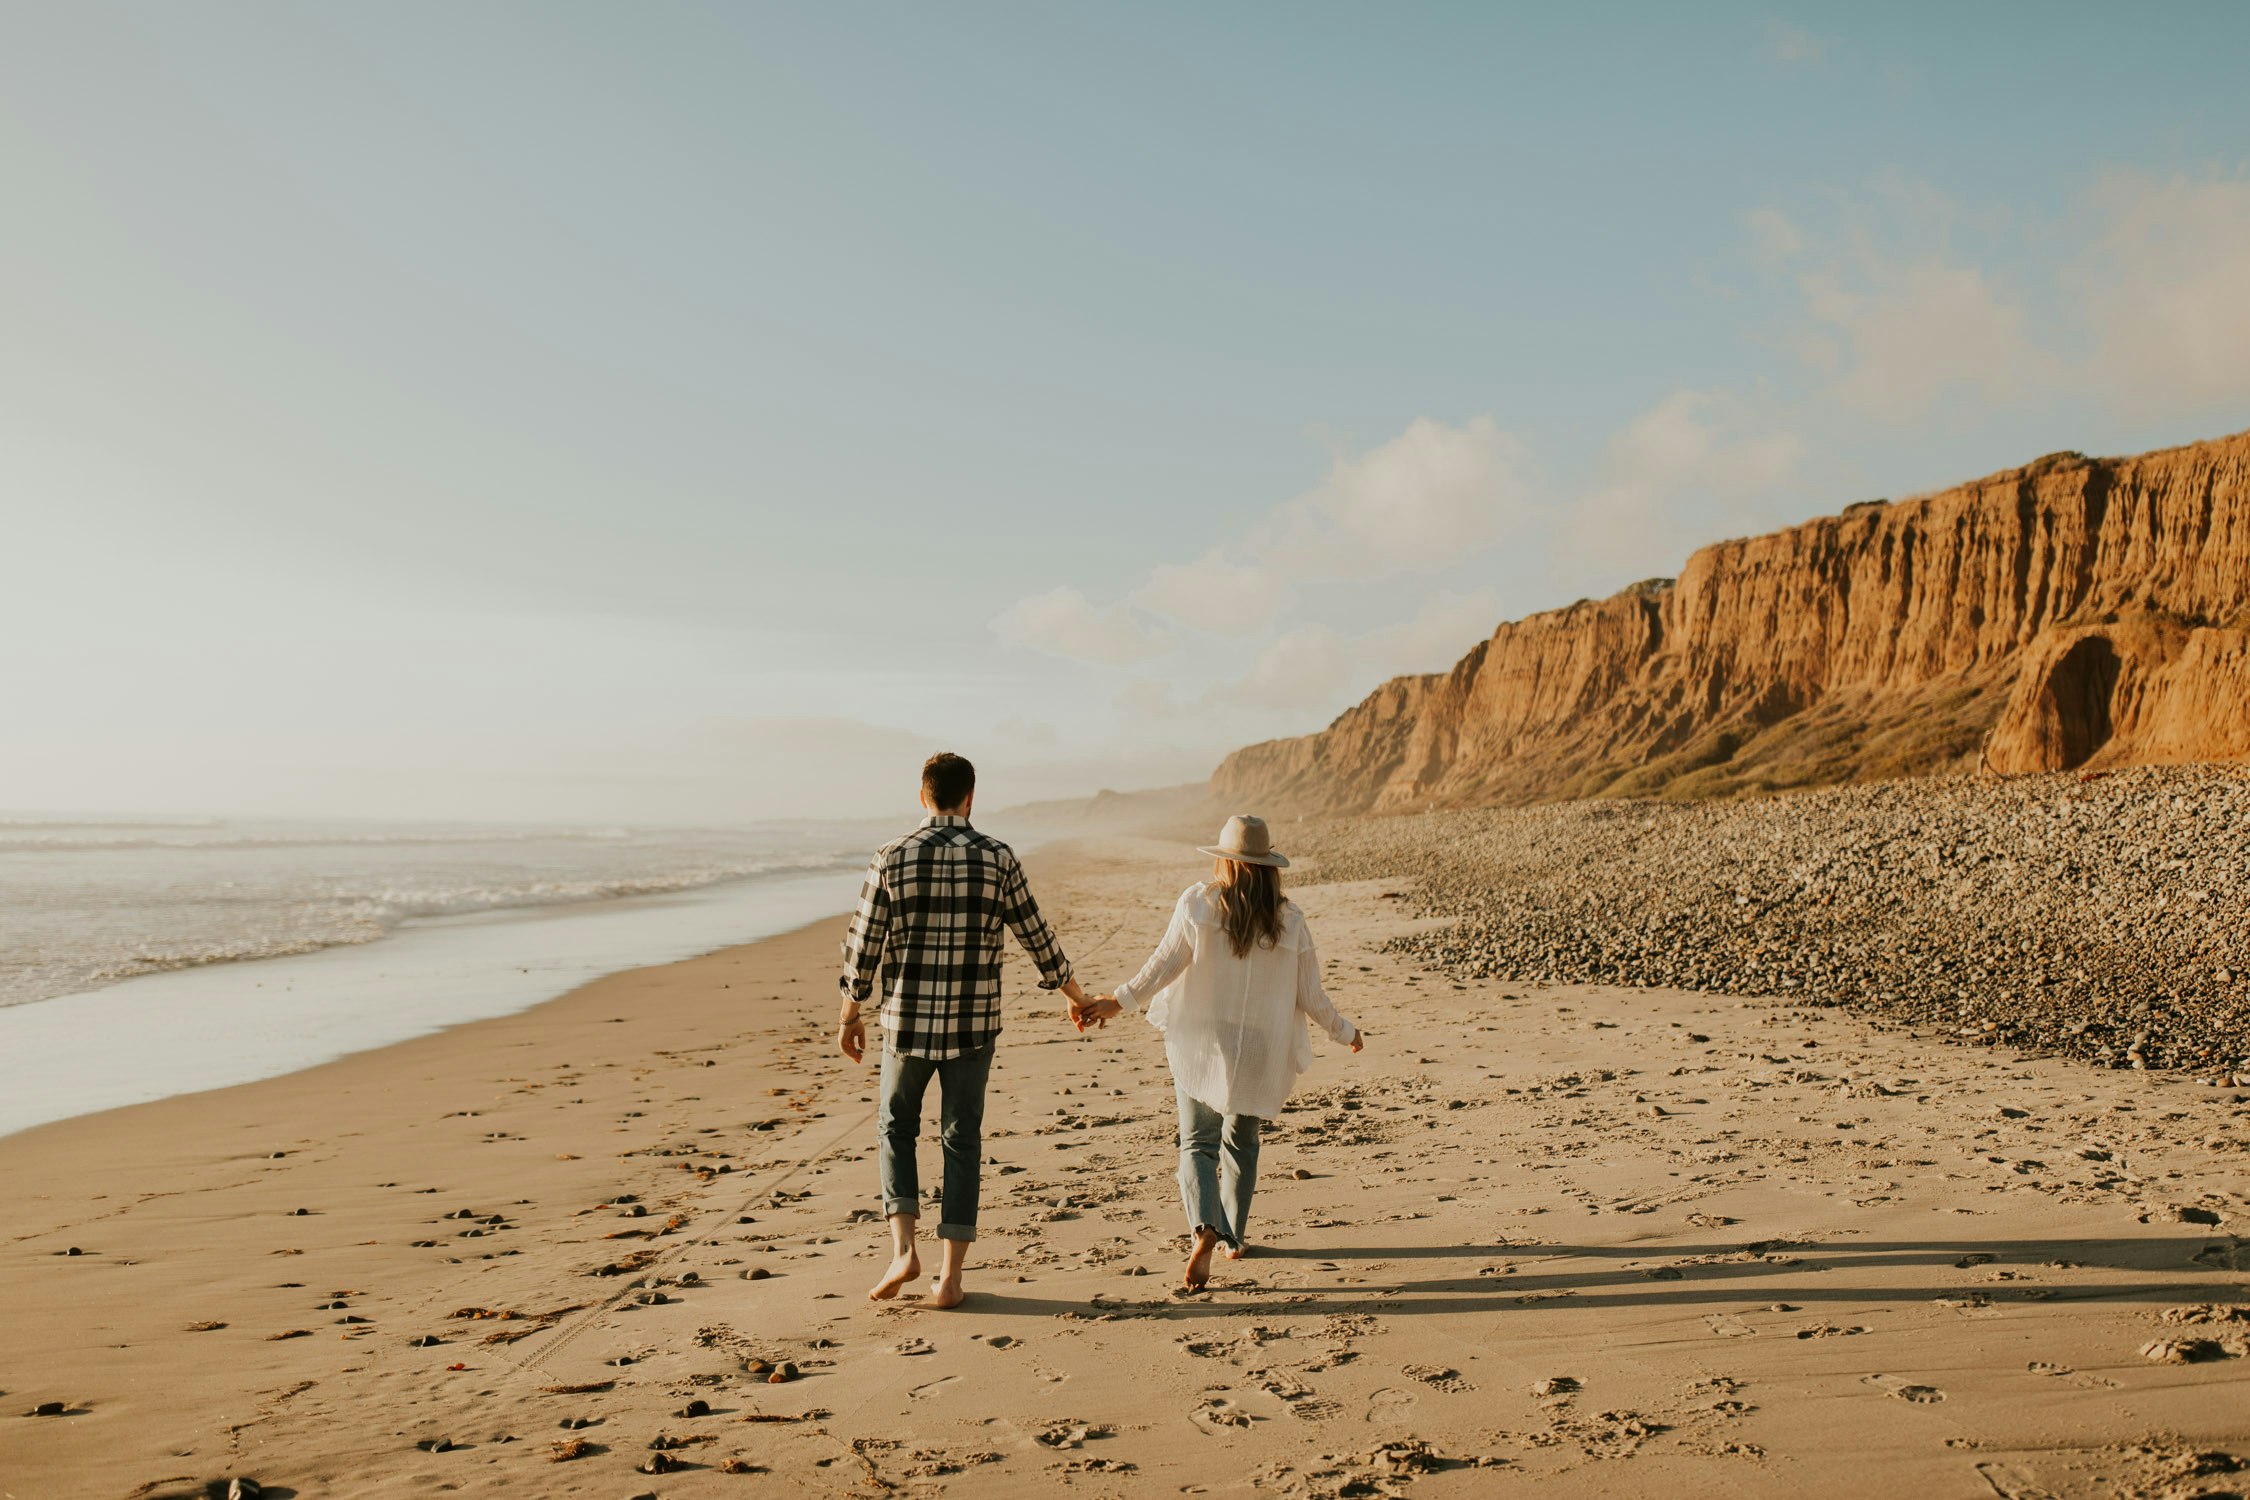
1389, 1405
932, 1387
1441, 1378
1217, 1413
2070, 1376
2011, 1483
1727, 1326
1904, 1390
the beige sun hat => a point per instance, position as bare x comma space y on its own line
1245, 838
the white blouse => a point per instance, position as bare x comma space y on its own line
1234, 1028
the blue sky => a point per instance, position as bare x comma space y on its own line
670, 412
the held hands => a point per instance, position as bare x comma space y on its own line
1097, 1009
1084, 1007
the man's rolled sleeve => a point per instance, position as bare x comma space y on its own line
863, 940
1021, 913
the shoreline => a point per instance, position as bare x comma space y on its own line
238, 1022
1602, 1239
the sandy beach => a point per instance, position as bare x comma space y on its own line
1621, 1241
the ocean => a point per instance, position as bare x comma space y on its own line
141, 958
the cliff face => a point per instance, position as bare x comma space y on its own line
2072, 612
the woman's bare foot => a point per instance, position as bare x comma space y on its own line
1236, 1252
903, 1269
944, 1294
1199, 1263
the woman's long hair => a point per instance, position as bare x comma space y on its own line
1249, 898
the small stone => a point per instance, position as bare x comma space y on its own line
2183, 1351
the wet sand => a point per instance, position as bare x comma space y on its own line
1625, 1241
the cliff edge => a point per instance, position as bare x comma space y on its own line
2073, 612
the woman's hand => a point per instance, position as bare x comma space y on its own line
1098, 1010
1359, 1041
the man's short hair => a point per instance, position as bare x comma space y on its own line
948, 779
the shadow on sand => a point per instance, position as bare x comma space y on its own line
1763, 1271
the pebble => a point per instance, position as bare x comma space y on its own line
2107, 920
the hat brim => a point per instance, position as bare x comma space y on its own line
1278, 861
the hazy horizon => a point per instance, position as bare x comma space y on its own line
668, 415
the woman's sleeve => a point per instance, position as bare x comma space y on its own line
1314, 1001
1167, 963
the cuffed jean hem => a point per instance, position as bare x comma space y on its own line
961, 1085
911, 1207
1218, 1168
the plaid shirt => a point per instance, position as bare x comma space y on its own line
929, 917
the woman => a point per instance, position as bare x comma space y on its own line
1233, 984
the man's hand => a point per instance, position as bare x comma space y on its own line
1098, 1010
851, 1035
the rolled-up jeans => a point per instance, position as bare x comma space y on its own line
960, 1133
1218, 1168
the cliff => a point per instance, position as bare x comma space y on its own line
2073, 612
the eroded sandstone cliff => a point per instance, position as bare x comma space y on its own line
2072, 612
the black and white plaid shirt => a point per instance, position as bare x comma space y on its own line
929, 918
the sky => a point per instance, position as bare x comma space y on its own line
696, 413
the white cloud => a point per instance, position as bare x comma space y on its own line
2144, 308
1786, 43
1064, 622
1017, 730
1439, 634
2166, 289
1776, 235
1213, 594
1304, 668
1316, 668
1412, 505
1906, 335
1148, 700
1686, 463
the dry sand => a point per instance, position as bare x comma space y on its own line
1623, 1241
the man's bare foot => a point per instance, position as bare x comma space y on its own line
1199, 1263
903, 1269
1236, 1252
944, 1294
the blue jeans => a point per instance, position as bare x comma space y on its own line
1218, 1168
960, 1132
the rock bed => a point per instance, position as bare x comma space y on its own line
2105, 916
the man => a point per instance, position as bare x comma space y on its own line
929, 921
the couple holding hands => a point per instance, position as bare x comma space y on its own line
1232, 986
